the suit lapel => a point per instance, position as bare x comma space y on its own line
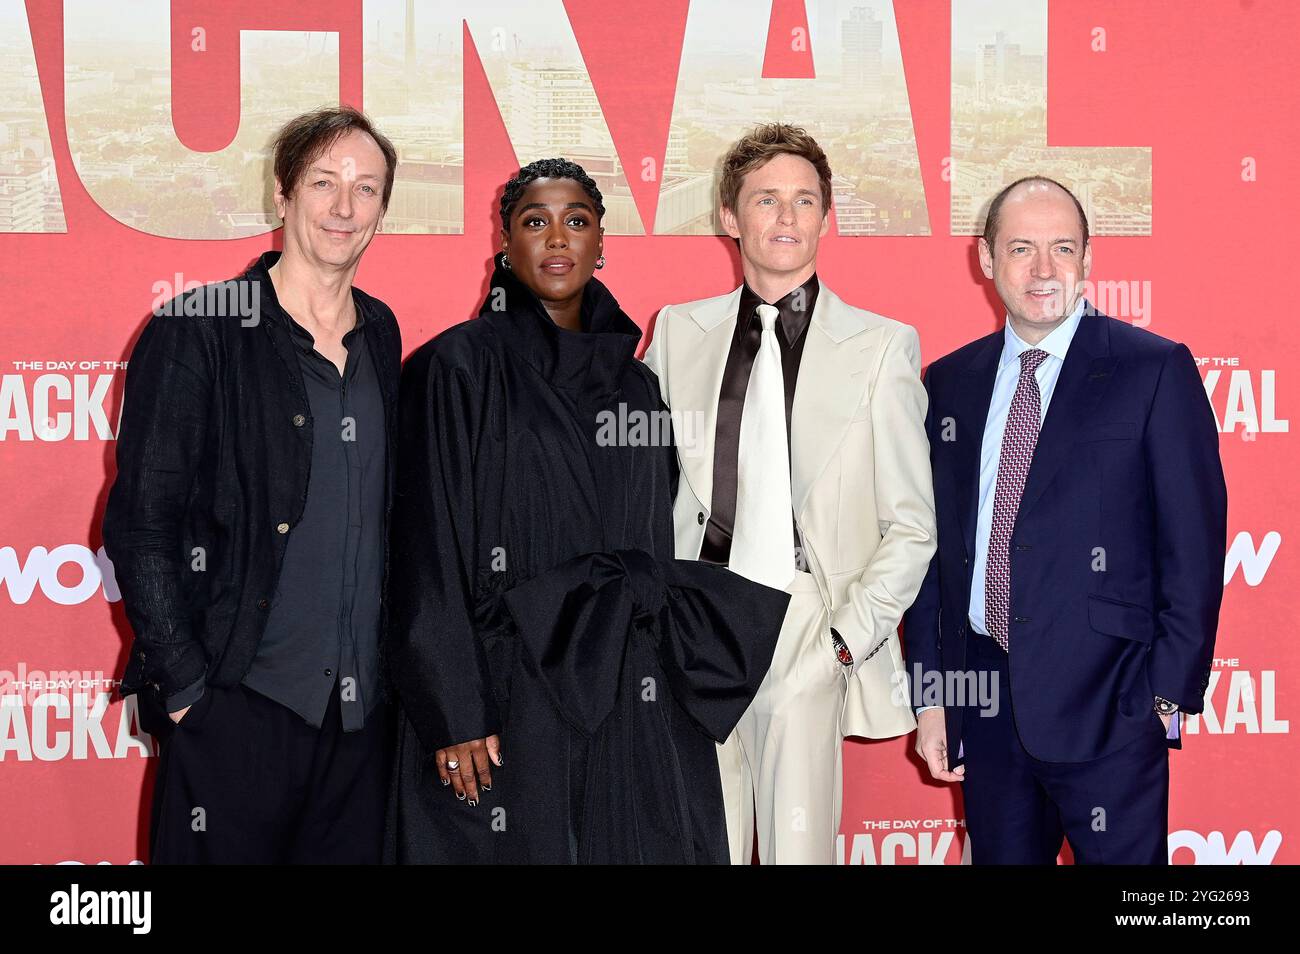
832, 377
697, 379
1085, 374
283, 346
380, 344
976, 386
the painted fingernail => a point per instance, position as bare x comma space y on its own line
461, 796
498, 759
445, 781
473, 802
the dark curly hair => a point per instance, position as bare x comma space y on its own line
547, 169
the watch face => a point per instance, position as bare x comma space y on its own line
841, 648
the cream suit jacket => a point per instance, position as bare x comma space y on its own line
860, 483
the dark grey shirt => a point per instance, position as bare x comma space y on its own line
322, 632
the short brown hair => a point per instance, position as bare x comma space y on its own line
759, 147
995, 207
304, 138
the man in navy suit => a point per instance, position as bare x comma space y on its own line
1069, 612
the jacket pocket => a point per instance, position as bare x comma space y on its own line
1126, 620
1113, 431
198, 710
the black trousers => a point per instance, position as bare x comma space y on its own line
243, 779
1113, 810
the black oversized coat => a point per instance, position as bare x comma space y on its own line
534, 595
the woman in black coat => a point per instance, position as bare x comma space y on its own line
562, 680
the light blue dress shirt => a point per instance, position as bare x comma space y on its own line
1048, 373
1056, 344
1004, 389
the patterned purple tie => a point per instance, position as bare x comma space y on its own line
1018, 443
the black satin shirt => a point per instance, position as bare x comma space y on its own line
796, 312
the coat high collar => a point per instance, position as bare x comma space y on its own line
591, 360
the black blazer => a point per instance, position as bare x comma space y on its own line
213, 456
1117, 551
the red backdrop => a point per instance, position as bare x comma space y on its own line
1205, 85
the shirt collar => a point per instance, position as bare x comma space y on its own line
1057, 342
261, 271
794, 321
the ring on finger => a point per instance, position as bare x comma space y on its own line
453, 764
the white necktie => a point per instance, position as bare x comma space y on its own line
761, 546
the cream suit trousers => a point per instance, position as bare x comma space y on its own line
782, 765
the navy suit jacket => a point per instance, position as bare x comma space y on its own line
1117, 551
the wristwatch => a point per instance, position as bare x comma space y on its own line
841, 648
1165, 707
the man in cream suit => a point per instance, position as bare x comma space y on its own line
821, 487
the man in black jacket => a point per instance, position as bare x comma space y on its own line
248, 527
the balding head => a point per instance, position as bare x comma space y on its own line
1036, 251
1032, 189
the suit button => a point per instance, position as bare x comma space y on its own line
282, 528
699, 518
965, 561
263, 603
299, 420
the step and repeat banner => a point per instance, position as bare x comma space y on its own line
134, 163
